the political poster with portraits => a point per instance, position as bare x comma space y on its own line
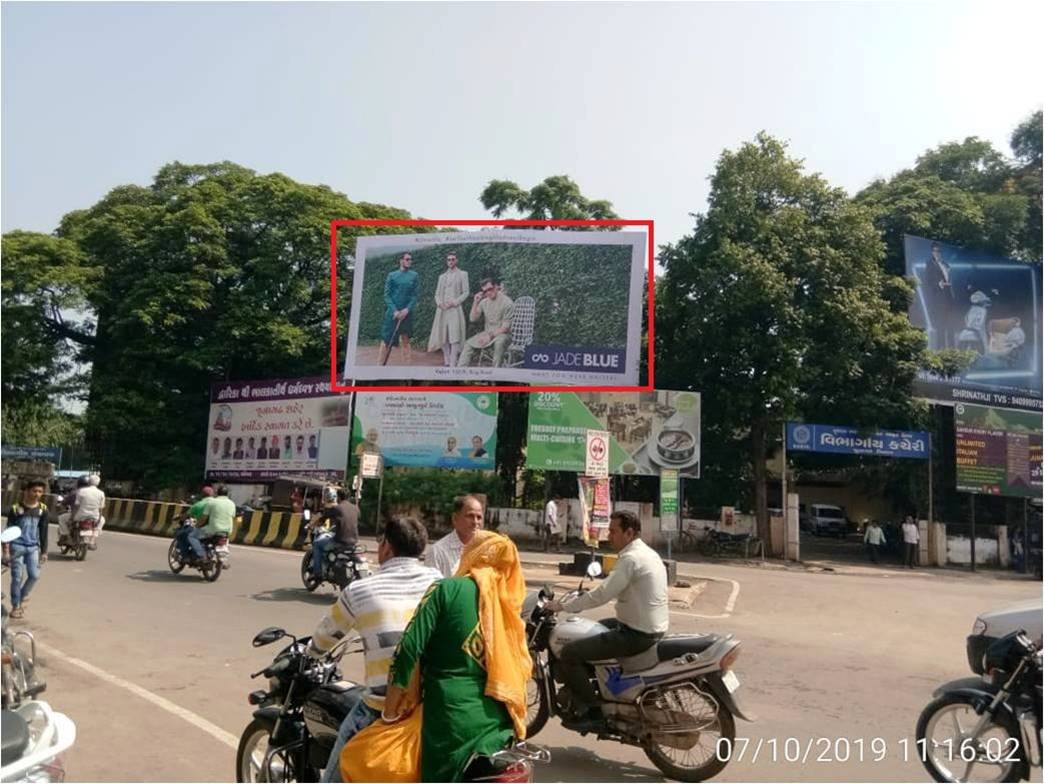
540, 307
260, 430
984, 304
648, 431
435, 430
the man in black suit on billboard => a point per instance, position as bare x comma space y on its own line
938, 297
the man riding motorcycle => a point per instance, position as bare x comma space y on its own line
88, 503
638, 582
194, 512
343, 518
216, 517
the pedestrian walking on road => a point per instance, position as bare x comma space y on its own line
552, 529
29, 550
875, 539
911, 538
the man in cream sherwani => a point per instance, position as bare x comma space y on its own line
448, 329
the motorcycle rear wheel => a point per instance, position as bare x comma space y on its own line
1000, 742
311, 582
174, 558
212, 570
537, 709
81, 551
680, 764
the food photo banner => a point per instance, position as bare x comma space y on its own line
260, 430
439, 429
648, 431
998, 451
539, 307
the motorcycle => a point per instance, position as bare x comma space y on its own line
342, 565
299, 715
676, 701
215, 558
34, 737
993, 722
83, 536
973, 337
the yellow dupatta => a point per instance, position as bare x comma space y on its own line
491, 560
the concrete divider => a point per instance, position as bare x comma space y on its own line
282, 530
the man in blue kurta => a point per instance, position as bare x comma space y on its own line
400, 296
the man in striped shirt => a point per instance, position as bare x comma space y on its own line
378, 608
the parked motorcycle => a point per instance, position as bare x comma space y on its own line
676, 701
295, 725
342, 565
215, 549
987, 729
33, 739
83, 536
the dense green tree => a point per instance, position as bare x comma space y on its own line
775, 308
1026, 142
210, 272
556, 198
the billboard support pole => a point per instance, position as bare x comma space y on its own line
1025, 536
931, 508
783, 490
973, 531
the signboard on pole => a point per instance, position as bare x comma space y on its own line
802, 437
998, 451
668, 496
260, 430
594, 496
370, 466
648, 431
597, 464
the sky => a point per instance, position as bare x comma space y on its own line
419, 106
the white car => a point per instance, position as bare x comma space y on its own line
1027, 615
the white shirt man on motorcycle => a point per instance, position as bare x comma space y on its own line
88, 503
638, 582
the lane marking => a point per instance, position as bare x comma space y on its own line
194, 719
730, 603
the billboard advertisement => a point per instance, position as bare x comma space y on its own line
260, 430
998, 451
441, 429
985, 304
802, 437
541, 307
648, 431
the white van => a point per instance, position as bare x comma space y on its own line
826, 520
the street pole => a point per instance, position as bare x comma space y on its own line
973, 496
1025, 536
931, 507
783, 490
380, 495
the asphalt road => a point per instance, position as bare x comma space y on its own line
154, 668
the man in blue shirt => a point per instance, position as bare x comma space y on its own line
29, 550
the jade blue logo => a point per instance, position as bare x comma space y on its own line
802, 434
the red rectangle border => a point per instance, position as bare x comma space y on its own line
336, 224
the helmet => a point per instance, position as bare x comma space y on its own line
83, 481
330, 495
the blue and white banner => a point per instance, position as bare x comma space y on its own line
803, 437
51, 454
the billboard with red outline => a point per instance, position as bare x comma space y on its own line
335, 380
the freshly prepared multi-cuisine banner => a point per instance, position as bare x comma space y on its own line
542, 307
648, 431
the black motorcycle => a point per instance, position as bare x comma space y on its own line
214, 548
298, 717
987, 729
342, 565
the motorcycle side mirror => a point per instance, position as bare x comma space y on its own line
10, 533
269, 635
547, 593
307, 515
594, 569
